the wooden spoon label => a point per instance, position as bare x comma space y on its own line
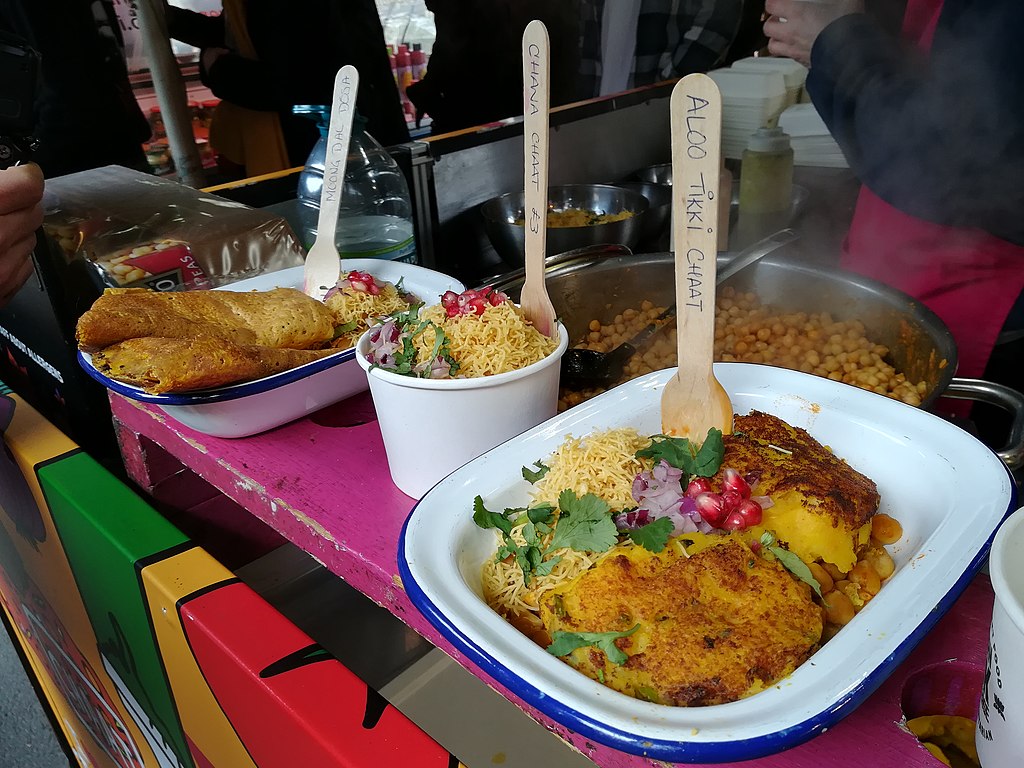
700, 199
346, 85
693, 400
536, 99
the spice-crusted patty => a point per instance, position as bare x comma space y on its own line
822, 507
714, 627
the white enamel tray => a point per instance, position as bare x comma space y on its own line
246, 409
948, 490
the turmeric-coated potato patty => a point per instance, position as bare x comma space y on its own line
714, 627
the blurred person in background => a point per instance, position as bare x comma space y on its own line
475, 75
262, 57
85, 112
929, 110
21, 214
631, 43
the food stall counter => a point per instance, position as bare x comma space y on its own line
323, 484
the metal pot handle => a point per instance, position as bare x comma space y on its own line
1000, 395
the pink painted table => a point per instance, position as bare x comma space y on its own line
323, 484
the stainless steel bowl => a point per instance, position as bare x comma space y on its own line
654, 232
595, 285
656, 174
500, 215
661, 174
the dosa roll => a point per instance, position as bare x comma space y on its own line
284, 318
162, 365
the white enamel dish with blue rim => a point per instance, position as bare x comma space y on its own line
252, 407
948, 490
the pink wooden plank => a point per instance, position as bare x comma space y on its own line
323, 483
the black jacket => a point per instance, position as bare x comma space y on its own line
86, 114
939, 135
300, 45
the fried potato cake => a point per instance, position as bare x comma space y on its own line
714, 627
285, 318
161, 365
822, 507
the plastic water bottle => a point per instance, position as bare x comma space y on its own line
375, 217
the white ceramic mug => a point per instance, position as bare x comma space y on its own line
1000, 732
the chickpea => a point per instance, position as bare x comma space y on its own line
838, 608
885, 529
881, 561
822, 577
833, 571
866, 577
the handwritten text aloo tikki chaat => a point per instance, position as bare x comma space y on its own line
698, 200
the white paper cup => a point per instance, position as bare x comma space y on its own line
1000, 733
431, 427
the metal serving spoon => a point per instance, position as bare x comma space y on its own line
588, 368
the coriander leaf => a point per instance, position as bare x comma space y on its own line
484, 518
709, 457
675, 450
767, 539
654, 535
796, 566
531, 476
585, 524
545, 567
682, 454
542, 513
564, 643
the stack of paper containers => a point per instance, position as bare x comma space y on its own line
765, 91
811, 141
750, 100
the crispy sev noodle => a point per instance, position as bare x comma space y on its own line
349, 304
498, 341
602, 463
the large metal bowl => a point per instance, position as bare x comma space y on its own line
598, 283
500, 215
654, 229
661, 175
586, 285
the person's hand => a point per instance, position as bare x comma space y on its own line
21, 214
794, 25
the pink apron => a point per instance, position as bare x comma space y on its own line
968, 277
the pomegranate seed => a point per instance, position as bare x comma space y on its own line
734, 522
711, 508
471, 301
731, 500
750, 511
733, 481
697, 486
